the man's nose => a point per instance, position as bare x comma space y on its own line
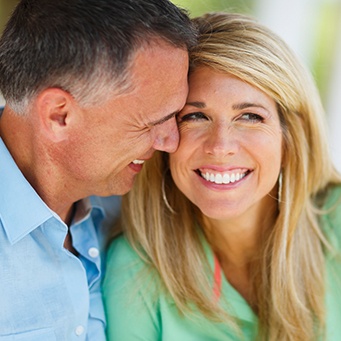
167, 136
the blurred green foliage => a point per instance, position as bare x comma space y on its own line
195, 7
326, 32
198, 7
6, 7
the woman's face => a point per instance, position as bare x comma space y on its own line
230, 151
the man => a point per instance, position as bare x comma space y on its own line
92, 88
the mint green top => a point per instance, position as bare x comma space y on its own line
137, 310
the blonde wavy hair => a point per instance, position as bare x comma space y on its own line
289, 279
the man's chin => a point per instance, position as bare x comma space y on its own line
121, 188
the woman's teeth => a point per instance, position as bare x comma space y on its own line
138, 162
225, 178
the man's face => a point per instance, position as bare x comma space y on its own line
114, 138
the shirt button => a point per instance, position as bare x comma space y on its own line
79, 330
93, 252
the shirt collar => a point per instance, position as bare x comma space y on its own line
86, 207
97, 203
21, 208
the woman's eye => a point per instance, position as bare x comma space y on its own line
194, 116
252, 118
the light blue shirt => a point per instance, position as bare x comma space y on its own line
46, 292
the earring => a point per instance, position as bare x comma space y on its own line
280, 187
164, 197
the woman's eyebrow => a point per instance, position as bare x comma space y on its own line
245, 105
199, 105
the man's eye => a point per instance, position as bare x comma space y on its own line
194, 116
252, 118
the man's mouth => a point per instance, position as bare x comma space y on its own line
138, 162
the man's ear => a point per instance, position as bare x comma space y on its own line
55, 108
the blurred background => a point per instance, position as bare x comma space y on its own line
311, 27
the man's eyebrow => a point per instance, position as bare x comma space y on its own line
164, 119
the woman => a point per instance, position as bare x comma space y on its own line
236, 235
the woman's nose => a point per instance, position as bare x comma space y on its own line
222, 140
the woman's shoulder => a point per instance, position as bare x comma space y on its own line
333, 194
130, 294
331, 215
121, 246
123, 263
332, 203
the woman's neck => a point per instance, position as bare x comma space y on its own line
237, 243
